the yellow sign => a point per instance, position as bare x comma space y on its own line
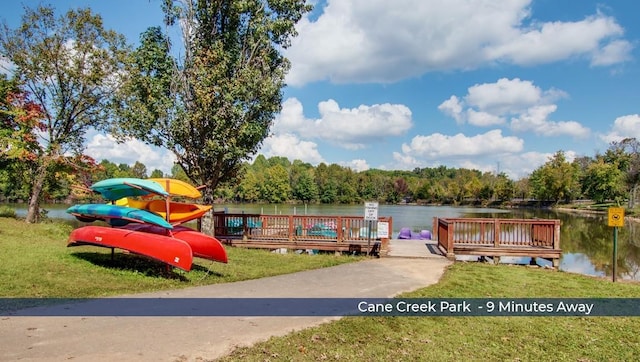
616, 216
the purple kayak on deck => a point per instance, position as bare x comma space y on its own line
406, 233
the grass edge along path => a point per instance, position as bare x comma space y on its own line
35, 263
472, 338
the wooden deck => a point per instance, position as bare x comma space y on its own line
536, 238
350, 234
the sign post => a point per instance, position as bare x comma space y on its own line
615, 220
370, 215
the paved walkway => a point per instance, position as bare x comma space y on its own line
409, 266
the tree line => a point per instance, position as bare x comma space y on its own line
611, 176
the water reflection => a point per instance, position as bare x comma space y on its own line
586, 240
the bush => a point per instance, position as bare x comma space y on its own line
6, 211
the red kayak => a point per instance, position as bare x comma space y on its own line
167, 249
202, 245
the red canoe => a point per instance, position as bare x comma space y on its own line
202, 245
167, 249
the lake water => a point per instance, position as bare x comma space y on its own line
586, 241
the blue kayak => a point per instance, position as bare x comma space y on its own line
118, 188
116, 215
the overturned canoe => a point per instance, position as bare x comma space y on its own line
202, 245
167, 249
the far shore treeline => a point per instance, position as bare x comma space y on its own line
611, 176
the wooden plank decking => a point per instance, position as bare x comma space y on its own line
301, 232
536, 238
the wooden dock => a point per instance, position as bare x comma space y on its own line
536, 238
350, 234
484, 237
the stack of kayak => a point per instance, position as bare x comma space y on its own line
144, 220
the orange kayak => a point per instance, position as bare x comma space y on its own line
179, 212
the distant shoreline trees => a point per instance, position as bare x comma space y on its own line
606, 177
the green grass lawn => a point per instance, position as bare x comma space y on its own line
35, 262
473, 338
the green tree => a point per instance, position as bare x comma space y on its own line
145, 98
504, 189
177, 172
226, 90
329, 192
67, 64
276, 187
556, 180
249, 188
603, 181
626, 154
139, 170
156, 174
304, 187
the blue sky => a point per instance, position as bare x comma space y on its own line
486, 84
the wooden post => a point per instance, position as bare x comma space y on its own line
291, 228
434, 228
556, 235
450, 230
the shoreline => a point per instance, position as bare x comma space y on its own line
594, 212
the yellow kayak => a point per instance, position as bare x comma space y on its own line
178, 188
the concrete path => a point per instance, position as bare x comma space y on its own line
409, 248
207, 338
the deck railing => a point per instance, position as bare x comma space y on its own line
497, 233
298, 228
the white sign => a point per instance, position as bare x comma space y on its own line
371, 211
383, 229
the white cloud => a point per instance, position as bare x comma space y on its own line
105, 147
452, 107
439, 146
517, 166
554, 41
357, 165
535, 120
291, 147
386, 41
527, 106
623, 127
353, 128
403, 161
514, 165
508, 96
612, 53
483, 119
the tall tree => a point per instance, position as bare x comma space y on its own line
626, 154
603, 181
556, 180
226, 90
67, 64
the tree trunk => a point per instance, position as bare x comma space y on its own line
207, 222
33, 212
